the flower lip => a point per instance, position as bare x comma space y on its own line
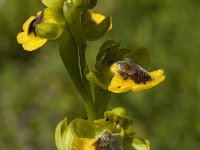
34, 22
129, 69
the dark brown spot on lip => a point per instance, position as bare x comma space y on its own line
128, 69
108, 141
34, 22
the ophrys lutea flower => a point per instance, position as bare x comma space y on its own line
130, 76
37, 30
29, 38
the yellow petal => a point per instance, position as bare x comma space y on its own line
34, 43
27, 23
22, 37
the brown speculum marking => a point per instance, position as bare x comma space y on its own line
34, 22
108, 141
128, 69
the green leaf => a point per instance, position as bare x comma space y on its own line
141, 56
69, 55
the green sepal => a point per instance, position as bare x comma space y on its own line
141, 56
106, 46
51, 26
84, 128
135, 144
73, 19
109, 53
96, 31
49, 31
87, 4
78, 128
140, 144
95, 77
86, 20
61, 127
69, 54
56, 5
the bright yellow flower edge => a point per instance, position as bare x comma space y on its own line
98, 18
119, 85
30, 41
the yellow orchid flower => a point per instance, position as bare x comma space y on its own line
28, 38
130, 76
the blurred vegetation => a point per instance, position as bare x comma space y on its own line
36, 92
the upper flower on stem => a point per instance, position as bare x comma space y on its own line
130, 76
37, 30
29, 38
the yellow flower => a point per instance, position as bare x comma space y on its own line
28, 38
98, 18
130, 76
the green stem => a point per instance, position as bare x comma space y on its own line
102, 99
87, 96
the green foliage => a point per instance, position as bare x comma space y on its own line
167, 115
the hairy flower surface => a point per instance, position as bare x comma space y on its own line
29, 38
130, 76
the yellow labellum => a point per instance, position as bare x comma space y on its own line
119, 85
30, 41
83, 144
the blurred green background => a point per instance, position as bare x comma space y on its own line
36, 91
